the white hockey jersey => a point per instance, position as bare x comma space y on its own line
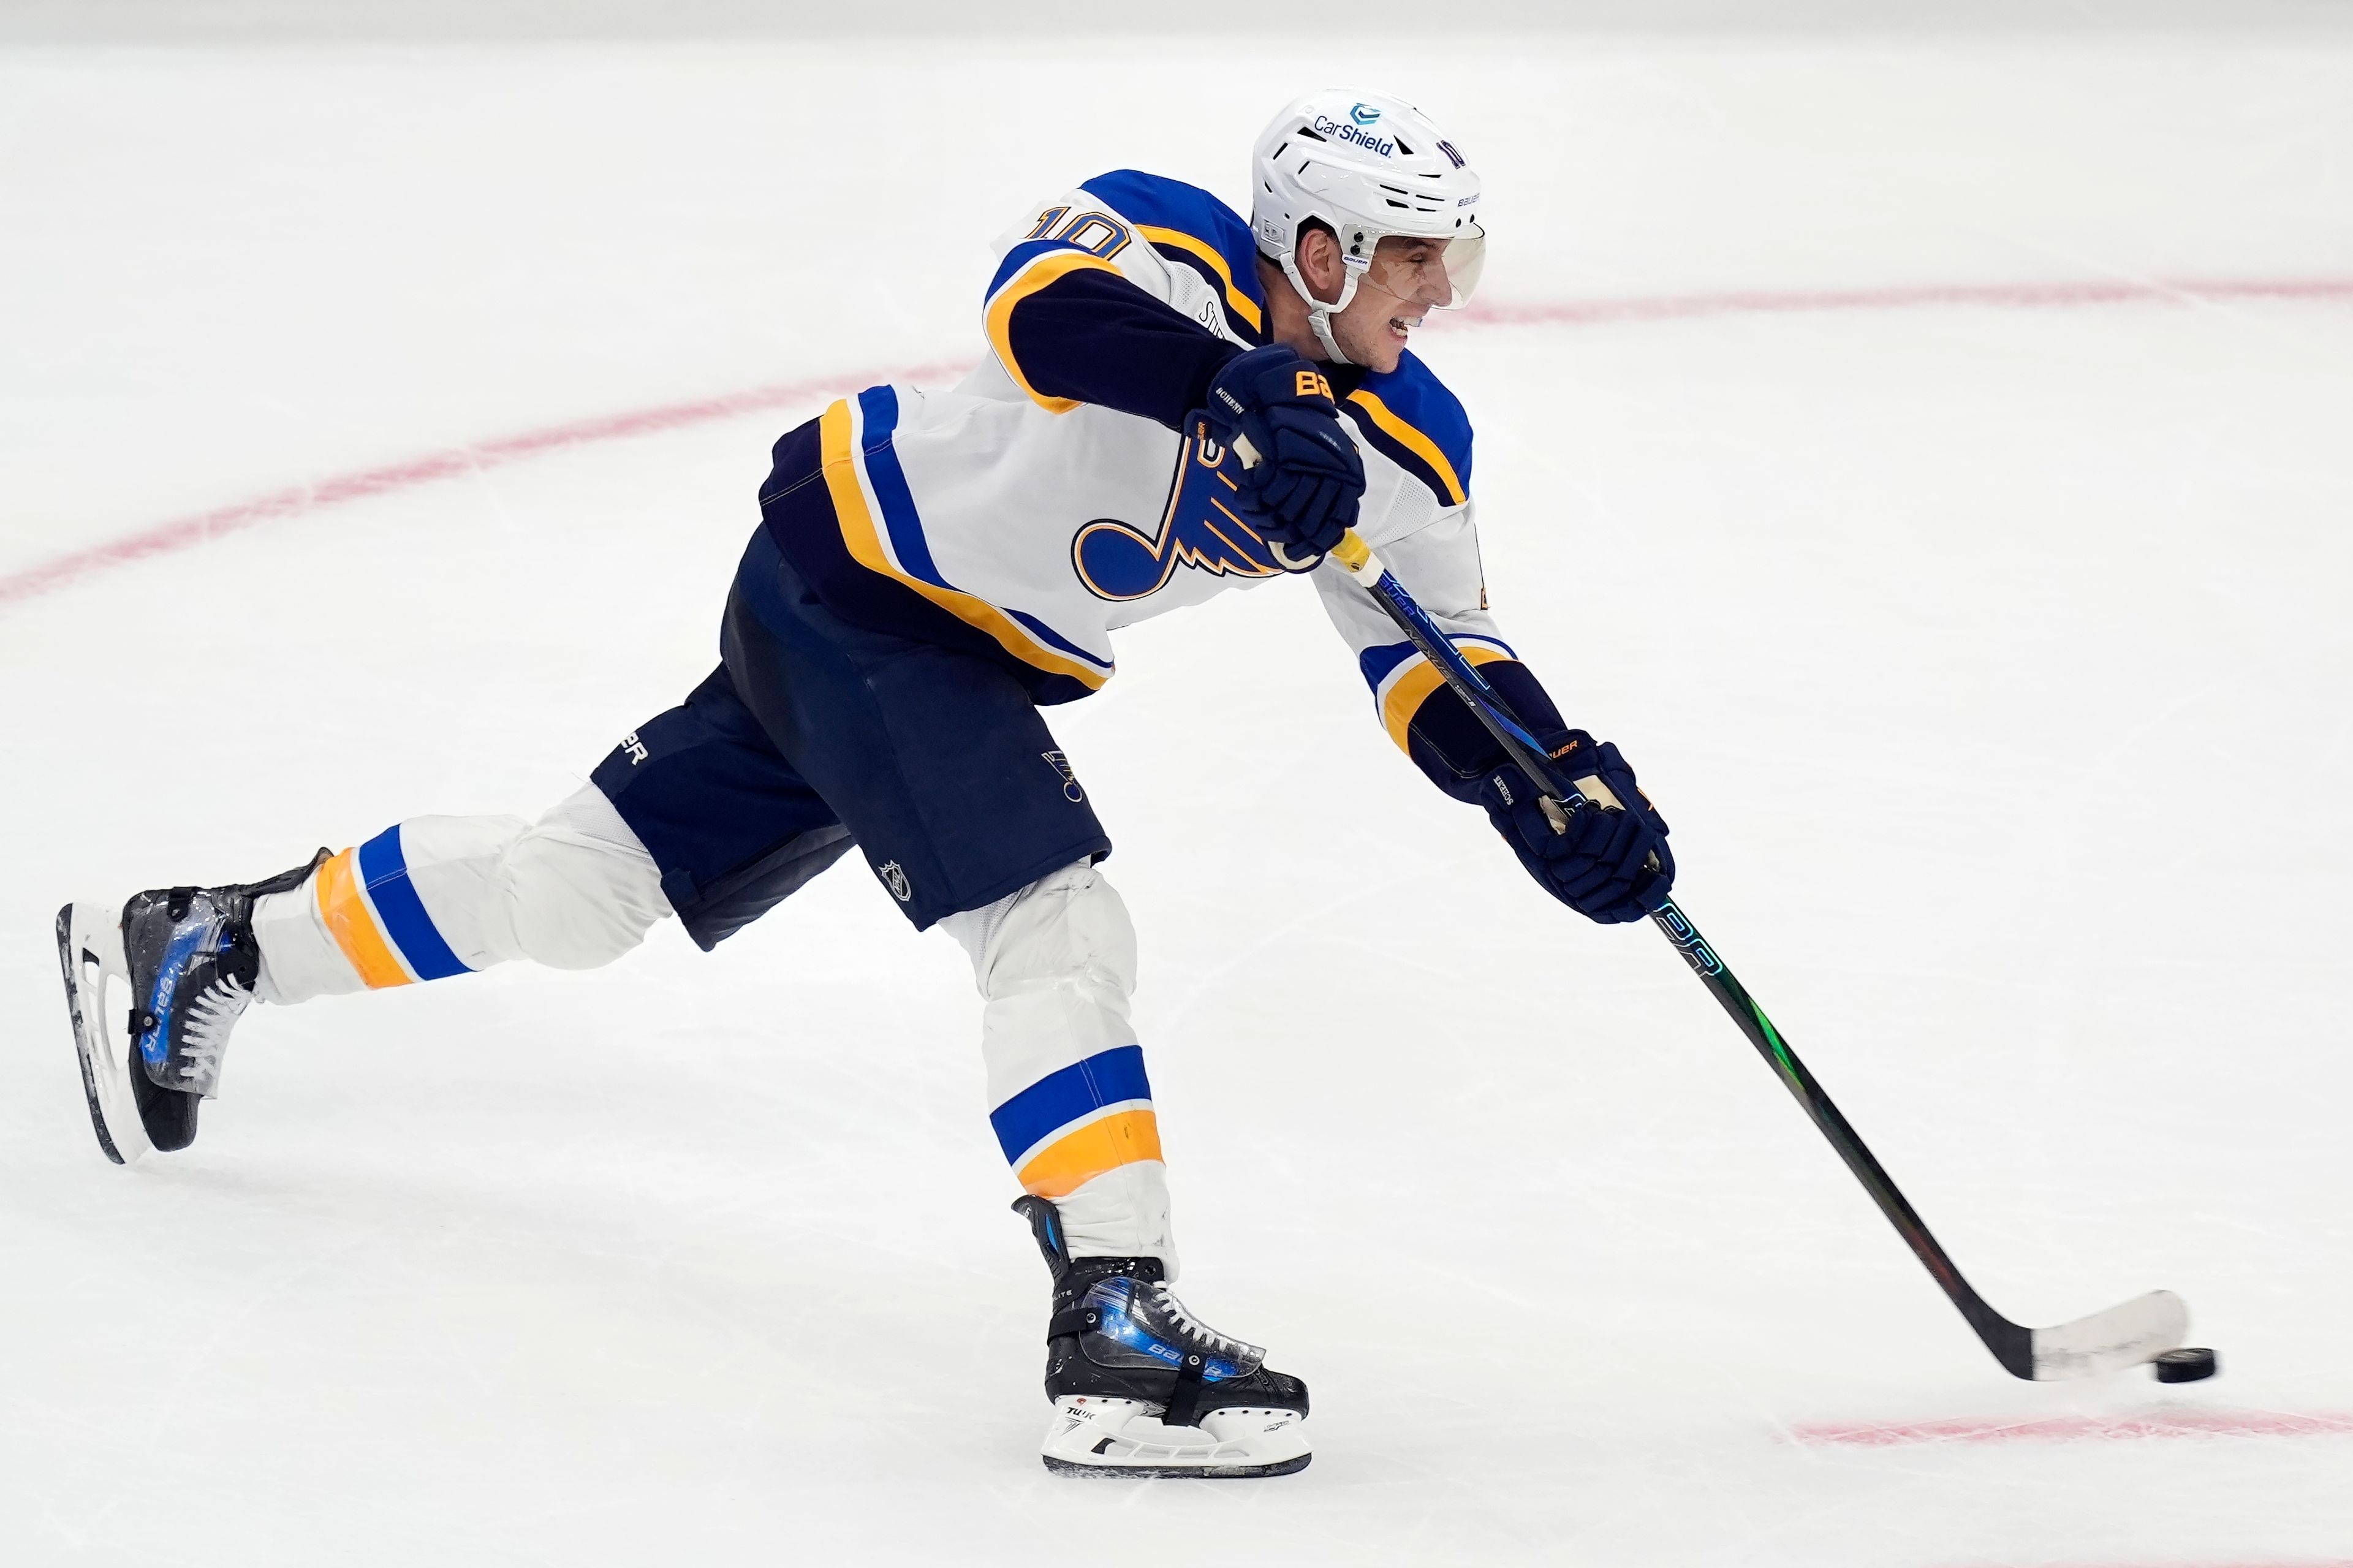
1066, 488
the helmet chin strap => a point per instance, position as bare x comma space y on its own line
1319, 318
1319, 314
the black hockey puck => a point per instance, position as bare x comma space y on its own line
2190, 1365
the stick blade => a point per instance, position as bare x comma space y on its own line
2122, 1336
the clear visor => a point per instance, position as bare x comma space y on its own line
1439, 273
1466, 258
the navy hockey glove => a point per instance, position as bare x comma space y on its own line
1303, 491
1600, 867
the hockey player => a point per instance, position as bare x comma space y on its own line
930, 569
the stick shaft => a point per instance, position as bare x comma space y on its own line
1432, 642
2012, 1345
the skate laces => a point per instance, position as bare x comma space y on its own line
1192, 1327
210, 1017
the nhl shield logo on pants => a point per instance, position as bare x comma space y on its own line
895, 879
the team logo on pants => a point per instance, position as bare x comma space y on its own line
895, 879
1061, 765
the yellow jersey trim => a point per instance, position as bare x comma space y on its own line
1235, 301
846, 484
1412, 689
1040, 274
1413, 441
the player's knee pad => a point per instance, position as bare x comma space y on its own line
1056, 964
573, 890
576, 889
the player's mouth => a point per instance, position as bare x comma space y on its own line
1402, 325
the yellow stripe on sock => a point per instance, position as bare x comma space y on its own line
1071, 1161
353, 924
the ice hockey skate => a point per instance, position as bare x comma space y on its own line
187, 962
1142, 1388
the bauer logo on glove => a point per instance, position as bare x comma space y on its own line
1303, 493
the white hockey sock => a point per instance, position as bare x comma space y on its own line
437, 896
1070, 1102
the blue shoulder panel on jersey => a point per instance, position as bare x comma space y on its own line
1412, 418
1071, 329
1020, 257
1190, 228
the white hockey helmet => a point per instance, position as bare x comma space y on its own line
1367, 165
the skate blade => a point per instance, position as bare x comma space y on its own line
1124, 1438
90, 950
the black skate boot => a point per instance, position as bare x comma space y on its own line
1142, 1387
189, 960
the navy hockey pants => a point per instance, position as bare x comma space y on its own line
814, 734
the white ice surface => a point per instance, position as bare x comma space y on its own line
1991, 663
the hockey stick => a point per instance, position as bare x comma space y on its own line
2125, 1335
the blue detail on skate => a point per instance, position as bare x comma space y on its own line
188, 942
1111, 1302
385, 870
1054, 1102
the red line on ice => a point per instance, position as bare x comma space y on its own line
2070, 1428
186, 532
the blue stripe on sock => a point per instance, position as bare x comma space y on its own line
385, 870
1061, 1097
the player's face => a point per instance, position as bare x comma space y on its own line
1407, 279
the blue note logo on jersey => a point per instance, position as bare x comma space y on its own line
1202, 529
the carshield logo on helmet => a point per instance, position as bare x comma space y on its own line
1335, 158
1350, 132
